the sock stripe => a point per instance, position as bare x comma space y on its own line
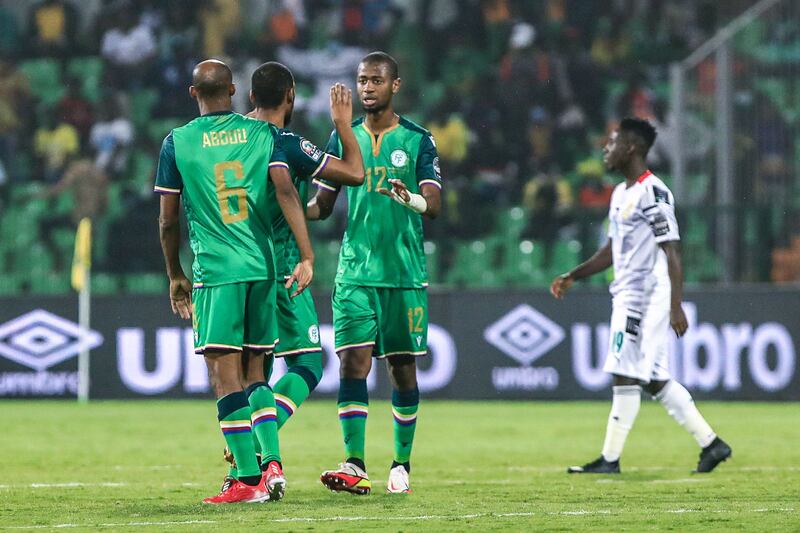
267, 414
403, 419
285, 403
230, 427
353, 411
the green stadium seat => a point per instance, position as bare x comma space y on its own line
142, 103
566, 255
90, 70
64, 240
432, 261
104, 283
524, 266
10, 285
158, 129
44, 76
146, 283
51, 283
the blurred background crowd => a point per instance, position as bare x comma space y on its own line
519, 95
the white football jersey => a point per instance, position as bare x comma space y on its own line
640, 217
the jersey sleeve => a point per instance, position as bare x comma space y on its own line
278, 158
333, 148
168, 178
305, 158
427, 170
659, 209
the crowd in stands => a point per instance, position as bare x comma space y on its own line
519, 95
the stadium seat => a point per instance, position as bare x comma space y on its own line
158, 129
44, 76
566, 255
10, 285
104, 283
51, 283
432, 261
146, 283
90, 70
524, 265
142, 103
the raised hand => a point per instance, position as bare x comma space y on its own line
341, 104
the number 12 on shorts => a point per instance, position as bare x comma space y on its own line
415, 317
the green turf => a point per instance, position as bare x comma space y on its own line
483, 466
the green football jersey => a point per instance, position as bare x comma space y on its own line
219, 163
383, 242
305, 161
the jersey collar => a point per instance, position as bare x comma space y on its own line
217, 113
644, 176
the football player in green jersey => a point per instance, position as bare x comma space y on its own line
380, 300
219, 163
272, 94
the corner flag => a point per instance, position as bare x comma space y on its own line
82, 260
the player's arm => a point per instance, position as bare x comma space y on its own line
349, 170
677, 318
321, 206
601, 260
169, 184
289, 202
429, 180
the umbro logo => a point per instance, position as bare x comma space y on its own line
524, 334
40, 339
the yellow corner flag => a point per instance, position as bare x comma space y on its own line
82, 261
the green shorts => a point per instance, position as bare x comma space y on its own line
235, 316
298, 325
392, 321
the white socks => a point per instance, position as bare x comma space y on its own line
680, 406
624, 408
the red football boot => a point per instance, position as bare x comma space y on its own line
274, 481
238, 492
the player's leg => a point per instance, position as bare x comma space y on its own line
355, 325
261, 336
404, 329
672, 395
218, 332
300, 346
624, 362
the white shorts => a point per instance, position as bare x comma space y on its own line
639, 341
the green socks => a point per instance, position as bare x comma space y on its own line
233, 413
404, 410
293, 388
353, 408
265, 421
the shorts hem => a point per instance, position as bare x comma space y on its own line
289, 353
212, 346
390, 354
357, 345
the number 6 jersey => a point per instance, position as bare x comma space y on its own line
383, 242
219, 163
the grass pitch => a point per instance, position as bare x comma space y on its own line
494, 466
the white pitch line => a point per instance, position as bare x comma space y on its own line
580, 512
68, 485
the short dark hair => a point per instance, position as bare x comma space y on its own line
269, 83
640, 128
385, 59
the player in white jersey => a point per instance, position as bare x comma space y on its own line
647, 292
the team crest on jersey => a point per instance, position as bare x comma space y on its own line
399, 158
627, 211
436, 167
313, 333
311, 151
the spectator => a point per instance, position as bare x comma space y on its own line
129, 46
14, 94
54, 142
75, 109
111, 137
52, 28
88, 186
